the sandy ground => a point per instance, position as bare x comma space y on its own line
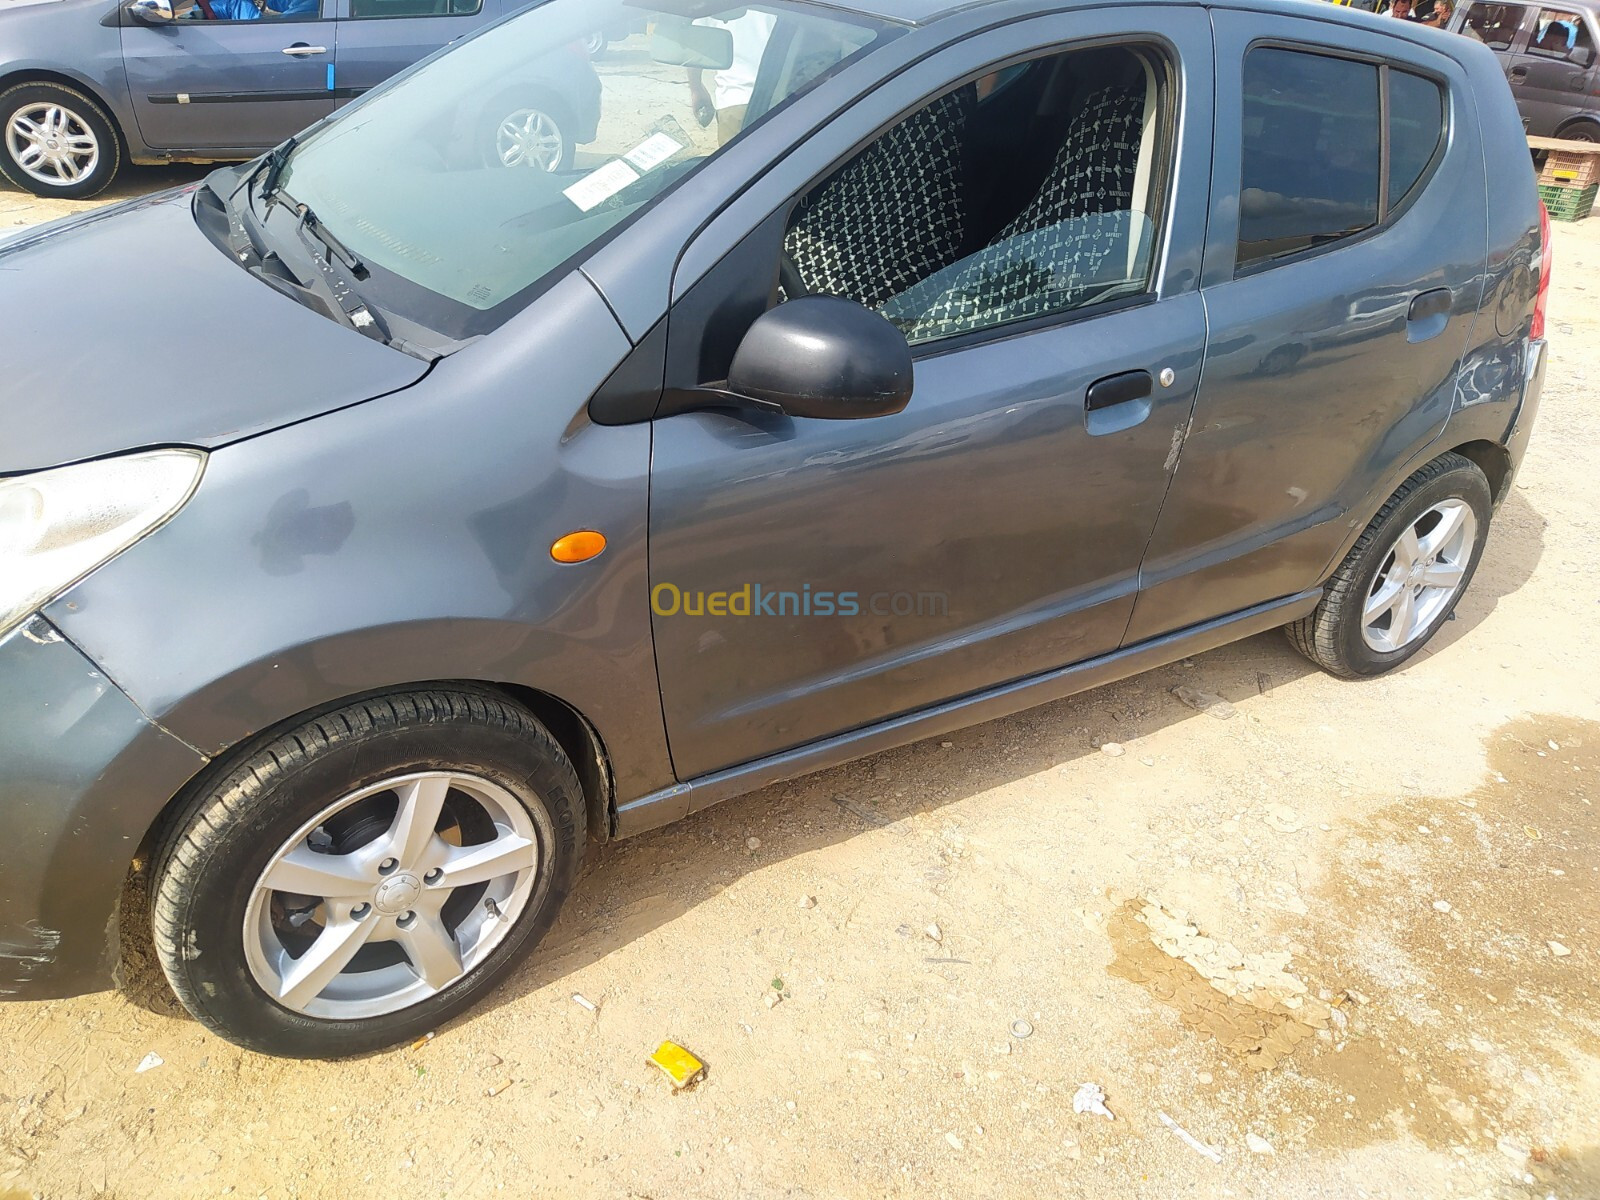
1396, 879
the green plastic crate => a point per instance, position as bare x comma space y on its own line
1568, 203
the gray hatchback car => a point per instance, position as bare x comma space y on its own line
875, 371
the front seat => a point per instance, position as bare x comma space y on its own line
892, 216
1078, 234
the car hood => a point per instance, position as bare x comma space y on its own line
129, 328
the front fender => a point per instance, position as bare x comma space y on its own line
403, 540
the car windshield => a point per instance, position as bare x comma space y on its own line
466, 184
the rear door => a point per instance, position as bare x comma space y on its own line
1343, 273
993, 529
210, 84
380, 38
1553, 75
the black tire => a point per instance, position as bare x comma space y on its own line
216, 849
1580, 131
1332, 635
87, 114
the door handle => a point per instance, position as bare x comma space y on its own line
1118, 389
301, 50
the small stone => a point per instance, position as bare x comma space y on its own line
1558, 949
1257, 1144
752, 843
1441, 906
808, 901
1553, 745
1021, 1029
934, 933
1114, 749
955, 1142
789, 1104
1204, 1077
772, 999
1149, 762
946, 745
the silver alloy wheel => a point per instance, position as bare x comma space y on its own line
1423, 572
52, 144
530, 138
391, 895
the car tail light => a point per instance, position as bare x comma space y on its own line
1546, 256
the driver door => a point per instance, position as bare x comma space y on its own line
811, 577
204, 84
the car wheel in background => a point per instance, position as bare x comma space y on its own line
1403, 578
531, 134
1581, 131
362, 878
57, 142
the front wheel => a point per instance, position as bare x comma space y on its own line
56, 142
368, 875
1404, 576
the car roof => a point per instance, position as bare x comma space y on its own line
926, 12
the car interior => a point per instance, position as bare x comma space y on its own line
1024, 193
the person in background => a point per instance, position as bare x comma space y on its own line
1401, 9
733, 87
1440, 16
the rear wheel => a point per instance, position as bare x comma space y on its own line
1404, 576
1581, 131
57, 142
368, 875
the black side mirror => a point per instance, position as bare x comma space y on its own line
824, 357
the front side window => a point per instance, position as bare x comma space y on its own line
247, 10
1027, 193
1558, 33
1495, 25
466, 184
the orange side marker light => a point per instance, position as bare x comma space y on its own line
578, 547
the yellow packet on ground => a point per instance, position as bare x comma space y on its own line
678, 1065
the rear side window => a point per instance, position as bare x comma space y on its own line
1561, 34
1495, 25
366, 9
1321, 137
1312, 146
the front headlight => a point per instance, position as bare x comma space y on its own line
57, 526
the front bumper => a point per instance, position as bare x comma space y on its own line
83, 776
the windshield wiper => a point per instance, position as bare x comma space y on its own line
338, 273
310, 224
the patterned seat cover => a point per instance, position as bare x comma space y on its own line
892, 216
1064, 246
